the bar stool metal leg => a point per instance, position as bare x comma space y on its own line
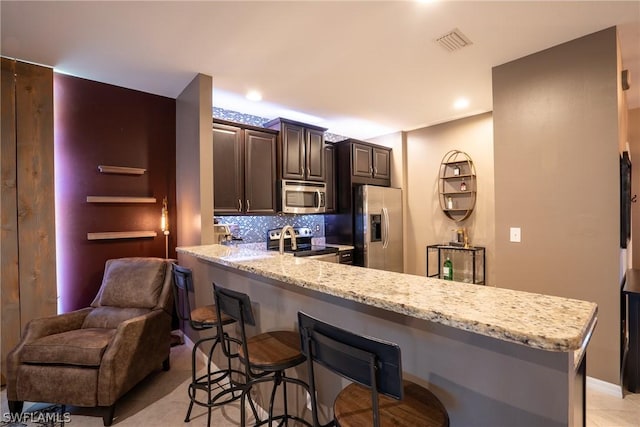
213, 388
265, 357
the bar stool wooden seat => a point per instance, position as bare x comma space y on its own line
265, 356
379, 396
216, 385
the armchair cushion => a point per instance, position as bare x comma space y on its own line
81, 347
111, 317
132, 282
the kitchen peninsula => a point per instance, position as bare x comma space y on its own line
494, 357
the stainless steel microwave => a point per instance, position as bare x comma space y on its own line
303, 197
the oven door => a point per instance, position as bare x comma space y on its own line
302, 197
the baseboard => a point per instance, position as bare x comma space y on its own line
604, 387
188, 343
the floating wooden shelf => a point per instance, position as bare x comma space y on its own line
457, 193
458, 176
122, 170
121, 235
120, 199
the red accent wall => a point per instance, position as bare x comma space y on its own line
100, 124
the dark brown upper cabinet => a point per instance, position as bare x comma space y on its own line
330, 168
244, 169
301, 153
382, 163
364, 163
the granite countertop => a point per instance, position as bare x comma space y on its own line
535, 320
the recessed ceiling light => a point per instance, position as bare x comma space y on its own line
461, 103
254, 95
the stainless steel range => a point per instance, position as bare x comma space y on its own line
304, 247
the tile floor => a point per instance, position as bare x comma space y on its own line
607, 410
161, 401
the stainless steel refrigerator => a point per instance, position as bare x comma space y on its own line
378, 227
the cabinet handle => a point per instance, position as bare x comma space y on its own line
239, 205
370, 170
308, 172
248, 205
375, 171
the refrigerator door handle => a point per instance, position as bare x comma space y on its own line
385, 228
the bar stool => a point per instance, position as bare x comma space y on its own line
218, 385
265, 356
379, 396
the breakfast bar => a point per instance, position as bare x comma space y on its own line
493, 356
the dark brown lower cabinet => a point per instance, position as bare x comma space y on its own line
244, 169
630, 331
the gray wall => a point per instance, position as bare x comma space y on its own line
426, 222
556, 151
194, 163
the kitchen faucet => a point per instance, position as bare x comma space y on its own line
292, 232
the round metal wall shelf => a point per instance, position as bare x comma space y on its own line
457, 185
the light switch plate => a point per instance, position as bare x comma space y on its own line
514, 234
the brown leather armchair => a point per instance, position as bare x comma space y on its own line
91, 357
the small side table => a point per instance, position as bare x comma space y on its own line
468, 263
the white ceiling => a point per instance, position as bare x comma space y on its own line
372, 64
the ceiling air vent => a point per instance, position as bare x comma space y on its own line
453, 40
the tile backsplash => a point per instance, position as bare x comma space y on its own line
253, 229
248, 119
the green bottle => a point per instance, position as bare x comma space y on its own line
447, 270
